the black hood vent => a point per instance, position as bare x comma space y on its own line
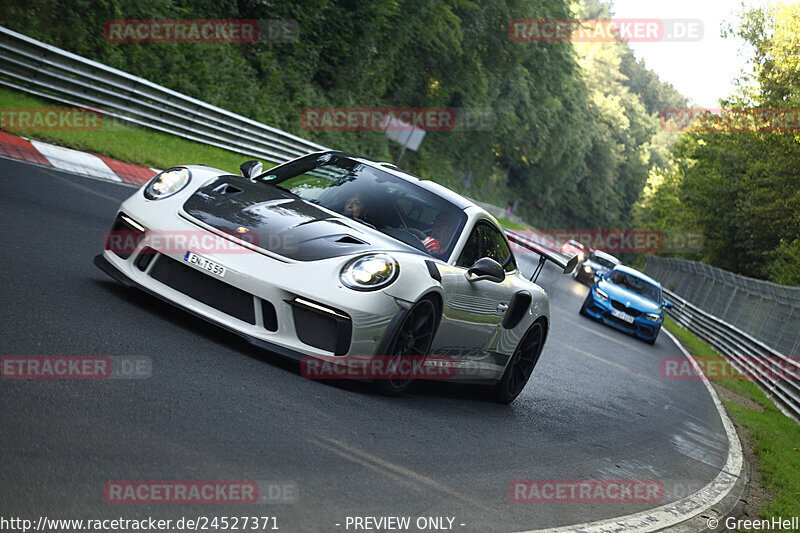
278, 221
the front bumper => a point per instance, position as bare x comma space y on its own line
601, 310
285, 307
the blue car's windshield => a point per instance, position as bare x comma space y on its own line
637, 285
394, 206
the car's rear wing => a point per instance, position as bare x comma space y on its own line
545, 254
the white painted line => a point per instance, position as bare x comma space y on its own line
75, 161
698, 503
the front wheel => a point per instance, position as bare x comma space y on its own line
520, 367
408, 347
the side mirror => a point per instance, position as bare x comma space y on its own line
251, 169
572, 264
666, 305
486, 268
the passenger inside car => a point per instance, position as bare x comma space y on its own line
355, 207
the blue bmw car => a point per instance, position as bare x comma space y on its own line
629, 301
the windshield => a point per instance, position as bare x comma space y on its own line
638, 285
391, 205
603, 262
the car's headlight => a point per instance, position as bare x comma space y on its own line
167, 183
370, 272
587, 269
653, 317
601, 294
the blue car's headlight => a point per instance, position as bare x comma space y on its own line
167, 183
370, 272
653, 317
601, 295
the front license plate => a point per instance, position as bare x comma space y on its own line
205, 264
622, 316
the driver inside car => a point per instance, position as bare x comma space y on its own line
440, 232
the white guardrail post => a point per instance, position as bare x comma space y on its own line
37, 68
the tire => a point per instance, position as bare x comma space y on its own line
412, 339
520, 367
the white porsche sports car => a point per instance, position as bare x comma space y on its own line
332, 257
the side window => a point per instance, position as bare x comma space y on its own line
472, 250
486, 241
497, 249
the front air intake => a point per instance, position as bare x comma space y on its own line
124, 237
204, 288
321, 327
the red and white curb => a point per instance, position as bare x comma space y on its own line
85, 164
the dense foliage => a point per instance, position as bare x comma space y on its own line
574, 136
742, 188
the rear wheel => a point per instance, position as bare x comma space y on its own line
520, 367
409, 345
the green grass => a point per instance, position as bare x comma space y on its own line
511, 225
776, 438
120, 141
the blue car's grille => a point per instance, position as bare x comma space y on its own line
622, 307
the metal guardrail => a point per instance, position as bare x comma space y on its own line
37, 68
766, 311
776, 374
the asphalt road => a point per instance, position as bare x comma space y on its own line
217, 408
